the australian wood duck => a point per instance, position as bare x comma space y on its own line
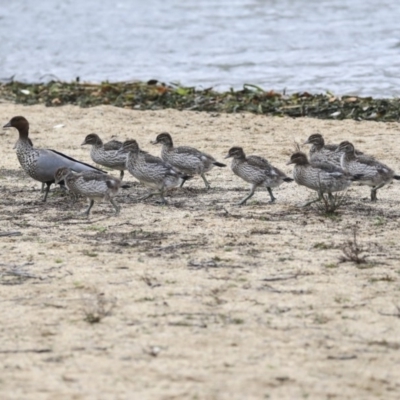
257, 171
188, 160
374, 173
150, 170
41, 164
93, 185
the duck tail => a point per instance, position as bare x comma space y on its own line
397, 177
288, 179
357, 177
218, 164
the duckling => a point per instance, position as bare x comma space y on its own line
321, 177
150, 170
188, 160
93, 185
106, 154
321, 152
257, 171
41, 164
374, 173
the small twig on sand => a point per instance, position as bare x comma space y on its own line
45, 350
16, 270
2, 234
282, 277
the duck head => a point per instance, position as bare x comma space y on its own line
236, 152
164, 138
298, 158
92, 139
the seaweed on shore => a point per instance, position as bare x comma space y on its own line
154, 95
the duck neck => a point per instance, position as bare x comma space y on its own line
317, 146
23, 132
167, 146
349, 156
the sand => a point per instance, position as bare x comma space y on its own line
199, 299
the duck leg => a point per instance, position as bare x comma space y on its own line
273, 198
116, 206
121, 174
206, 181
374, 190
243, 201
87, 211
47, 191
160, 193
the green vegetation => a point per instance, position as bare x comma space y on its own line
154, 95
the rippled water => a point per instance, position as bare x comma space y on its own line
347, 47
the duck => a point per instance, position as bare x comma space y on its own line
325, 153
91, 184
257, 171
41, 164
105, 154
318, 176
188, 160
151, 171
374, 173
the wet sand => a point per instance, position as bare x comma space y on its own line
199, 299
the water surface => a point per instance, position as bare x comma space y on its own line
347, 47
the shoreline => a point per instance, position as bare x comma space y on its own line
155, 95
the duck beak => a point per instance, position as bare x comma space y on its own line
153, 142
306, 142
290, 162
8, 125
227, 156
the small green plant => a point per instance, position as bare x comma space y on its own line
96, 228
89, 253
331, 265
321, 246
379, 221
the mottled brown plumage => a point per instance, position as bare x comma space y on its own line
374, 173
150, 170
325, 153
321, 177
106, 154
188, 160
93, 185
257, 171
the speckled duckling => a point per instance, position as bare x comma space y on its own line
150, 170
188, 160
321, 152
41, 164
321, 177
374, 173
93, 185
106, 153
257, 171
325, 153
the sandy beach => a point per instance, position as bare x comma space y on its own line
199, 299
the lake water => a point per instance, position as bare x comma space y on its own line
347, 47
